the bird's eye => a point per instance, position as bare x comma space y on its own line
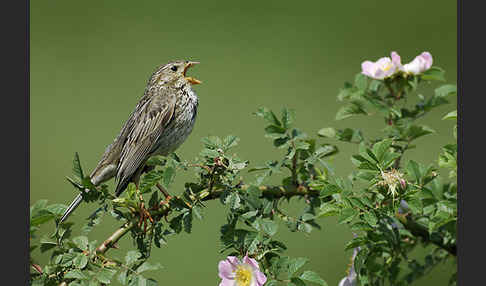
174, 68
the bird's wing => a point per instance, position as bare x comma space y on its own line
150, 123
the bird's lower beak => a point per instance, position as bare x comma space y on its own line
188, 78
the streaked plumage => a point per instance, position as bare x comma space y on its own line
160, 123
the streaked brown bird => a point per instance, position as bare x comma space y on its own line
160, 123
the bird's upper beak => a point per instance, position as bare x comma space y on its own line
188, 78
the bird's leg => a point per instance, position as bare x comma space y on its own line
167, 198
143, 213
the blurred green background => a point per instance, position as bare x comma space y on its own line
90, 61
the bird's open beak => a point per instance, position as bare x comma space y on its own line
188, 78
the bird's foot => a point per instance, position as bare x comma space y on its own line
145, 216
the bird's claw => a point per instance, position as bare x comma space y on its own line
145, 216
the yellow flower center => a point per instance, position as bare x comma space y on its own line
387, 67
243, 275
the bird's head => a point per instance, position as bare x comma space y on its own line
174, 73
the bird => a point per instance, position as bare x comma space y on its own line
161, 121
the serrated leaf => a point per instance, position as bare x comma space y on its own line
347, 215
370, 218
78, 171
446, 90
268, 115
187, 221
81, 242
311, 276
168, 176
354, 108
296, 263
212, 142
361, 81
355, 242
328, 132
105, 275
268, 226
80, 261
230, 141
451, 115
295, 281
234, 200
434, 73
209, 153
132, 256
288, 116
413, 169
75, 274
249, 214
147, 266
381, 148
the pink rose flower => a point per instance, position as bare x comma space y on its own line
382, 68
234, 272
420, 64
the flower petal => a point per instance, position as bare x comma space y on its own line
428, 60
227, 267
227, 282
250, 261
396, 60
260, 277
368, 68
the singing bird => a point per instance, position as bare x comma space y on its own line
160, 123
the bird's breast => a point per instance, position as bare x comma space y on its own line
179, 128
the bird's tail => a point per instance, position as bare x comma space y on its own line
71, 207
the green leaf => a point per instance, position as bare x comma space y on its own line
46, 244
311, 276
274, 129
81, 242
288, 116
230, 141
132, 256
268, 226
271, 283
212, 142
78, 171
105, 275
415, 131
361, 81
197, 210
75, 274
187, 221
451, 115
381, 148
370, 218
350, 135
234, 200
147, 266
80, 261
355, 242
354, 108
413, 169
249, 214
328, 210
347, 215
434, 73
268, 115
294, 281
296, 263
327, 132
168, 176
446, 90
